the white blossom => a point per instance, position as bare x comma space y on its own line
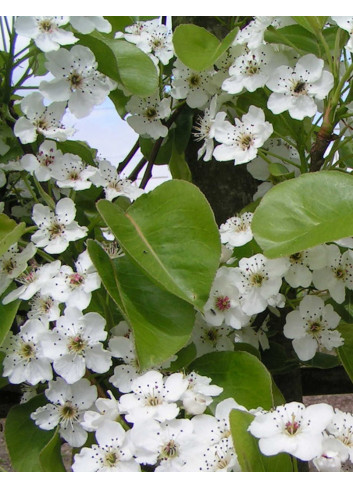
292, 428
68, 404
56, 230
147, 114
240, 142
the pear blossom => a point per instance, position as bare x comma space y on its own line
208, 338
195, 86
76, 344
114, 184
68, 404
70, 171
46, 31
24, 360
302, 263
341, 427
147, 114
133, 32
106, 410
41, 164
334, 453
14, 262
32, 281
124, 348
87, 24
223, 304
258, 280
311, 327
236, 231
56, 230
199, 393
295, 89
292, 428
41, 119
75, 287
252, 69
162, 443
241, 141
76, 80
153, 397
157, 43
44, 307
337, 274
204, 129
112, 454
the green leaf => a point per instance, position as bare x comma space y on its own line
7, 314
25, 441
119, 100
277, 169
123, 62
323, 360
50, 456
241, 375
295, 36
313, 24
119, 23
178, 166
247, 449
171, 234
345, 352
303, 212
198, 48
161, 322
10, 232
3, 380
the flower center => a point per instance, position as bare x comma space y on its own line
74, 175
45, 159
68, 413
46, 26
194, 80
111, 459
293, 426
56, 229
9, 265
315, 327
340, 273
246, 141
151, 113
153, 400
75, 80
76, 344
256, 279
212, 335
300, 88
76, 279
170, 450
222, 303
42, 124
27, 351
252, 68
296, 257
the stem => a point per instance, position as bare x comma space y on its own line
280, 158
3, 34
126, 160
134, 174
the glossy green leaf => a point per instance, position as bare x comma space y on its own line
246, 446
50, 456
313, 24
178, 166
10, 232
119, 23
123, 62
3, 380
241, 375
119, 100
25, 441
295, 36
345, 352
7, 314
171, 234
198, 48
161, 322
303, 212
